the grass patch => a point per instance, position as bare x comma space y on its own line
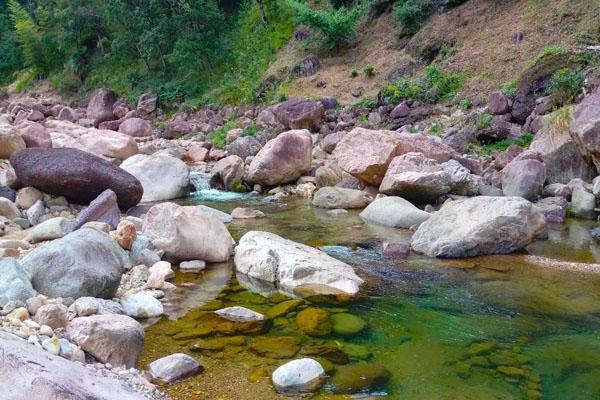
565, 85
488, 149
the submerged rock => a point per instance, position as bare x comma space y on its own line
355, 378
174, 368
394, 212
293, 266
345, 324
337, 197
314, 322
479, 225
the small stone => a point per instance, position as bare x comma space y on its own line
246, 213
239, 314
299, 376
126, 234
282, 308
53, 315
27, 197
174, 368
279, 347
355, 378
194, 266
142, 305
51, 345
45, 330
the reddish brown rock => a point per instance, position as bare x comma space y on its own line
300, 114
100, 107
498, 104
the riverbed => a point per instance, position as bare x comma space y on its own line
497, 327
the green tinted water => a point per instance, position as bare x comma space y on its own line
490, 328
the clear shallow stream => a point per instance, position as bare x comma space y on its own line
499, 327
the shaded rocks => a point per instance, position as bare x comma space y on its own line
554, 209
53, 315
394, 212
75, 174
585, 127
100, 106
34, 134
227, 174
300, 114
282, 160
163, 177
243, 147
83, 263
136, 127
299, 376
524, 178
479, 225
337, 197
174, 367
35, 373
147, 103
10, 143
115, 339
14, 282
293, 266
187, 233
583, 203
498, 104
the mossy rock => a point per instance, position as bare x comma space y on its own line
282, 308
278, 347
355, 378
314, 322
344, 324
327, 365
481, 348
357, 351
217, 344
328, 351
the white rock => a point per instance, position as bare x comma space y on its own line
193, 266
239, 314
299, 376
174, 368
142, 305
394, 212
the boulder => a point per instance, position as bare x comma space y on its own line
244, 147
110, 338
298, 376
147, 103
293, 266
330, 141
394, 212
246, 213
100, 106
585, 127
554, 209
561, 156
8, 209
67, 114
400, 111
50, 229
14, 282
142, 305
187, 233
336, 197
300, 114
174, 368
477, 226
109, 144
36, 374
227, 173
10, 142
328, 175
583, 203
136, 127
75, 174
282, 160
34, 134
103, 208
416, 178
83, 263
524, 178
27, 196
53, 315
498, 104
163, 177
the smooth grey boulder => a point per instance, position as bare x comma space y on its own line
174, 368
30, 373
83, 263
299, 376
583, 203
524, 178
50, 229
336, 197
479, 225
110, 338
14, 282
142, 305
394, 212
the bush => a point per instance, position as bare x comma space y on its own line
510, 89
484, 121
465, 103
565, 85
369, 70
412, 14
336, 26
435, 86
354, 73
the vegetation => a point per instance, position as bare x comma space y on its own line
369, 70
354, 73
412, 14
566, 84
546, 52
197, 51
498, 147
510, 89
484, 121
435, 86
337, 26
465, 103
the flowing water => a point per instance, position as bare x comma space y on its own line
501, 327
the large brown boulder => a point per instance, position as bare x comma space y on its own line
227, 173
10, 142
100, 107
585, 127
563, 160
283, 159
75, 174
34, 134
300, 114
136, 127
366, 154
524, 178
109, 144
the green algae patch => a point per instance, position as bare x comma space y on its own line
344, 324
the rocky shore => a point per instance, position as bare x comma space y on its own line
91, 238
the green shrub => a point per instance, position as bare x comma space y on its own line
412, 14
510, 89
465, 103
336, 26
501, 146
367, 102
219, 136
547, 51
484, 121
435, 86
353, 73
565, 85
369, 70
436, 129
251, 130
